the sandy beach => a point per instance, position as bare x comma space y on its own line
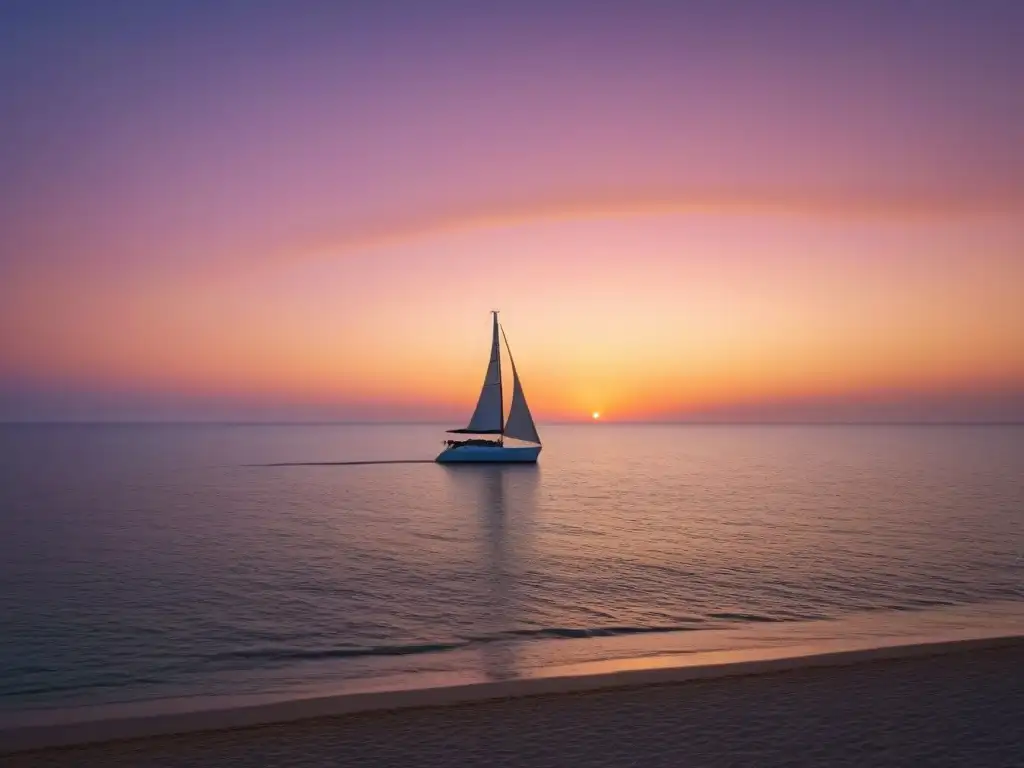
962, 707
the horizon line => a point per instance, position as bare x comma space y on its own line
563, 423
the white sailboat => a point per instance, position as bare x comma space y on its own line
489, 419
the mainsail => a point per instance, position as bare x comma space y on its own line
488, 414
520, 423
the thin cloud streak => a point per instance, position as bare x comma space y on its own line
404, 229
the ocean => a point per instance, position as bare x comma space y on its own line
174, 562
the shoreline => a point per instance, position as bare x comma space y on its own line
64, 729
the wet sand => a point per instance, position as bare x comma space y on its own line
963, 707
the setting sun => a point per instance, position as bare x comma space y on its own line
596, 415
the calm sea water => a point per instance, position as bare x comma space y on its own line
139, 562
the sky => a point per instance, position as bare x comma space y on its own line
685, 210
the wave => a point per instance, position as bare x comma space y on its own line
296, 654
571, 633
75, 687
546, 633
752, 617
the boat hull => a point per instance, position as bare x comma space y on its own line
483, 454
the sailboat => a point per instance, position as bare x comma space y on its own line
488, 425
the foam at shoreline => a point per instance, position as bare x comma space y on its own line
811, 644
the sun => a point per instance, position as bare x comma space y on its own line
596, 415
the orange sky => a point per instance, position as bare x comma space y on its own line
637, 317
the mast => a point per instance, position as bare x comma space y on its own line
501, 395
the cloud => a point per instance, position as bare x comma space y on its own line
396, 228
